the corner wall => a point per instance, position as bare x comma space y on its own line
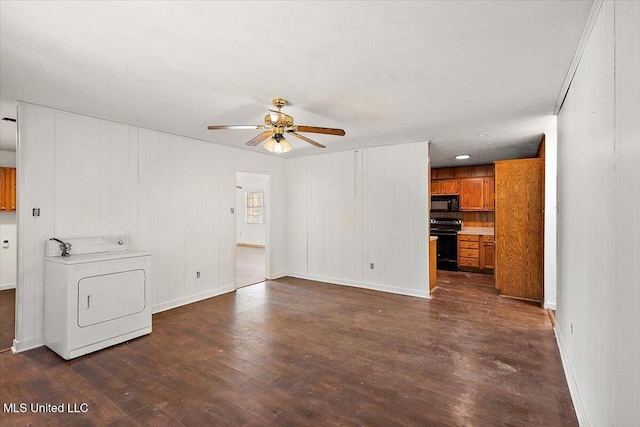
172, 195
598, 313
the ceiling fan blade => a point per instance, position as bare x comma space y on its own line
237, 127
258, 139
314, 129
277, 117
304, 138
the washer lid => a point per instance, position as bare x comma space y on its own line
96, 257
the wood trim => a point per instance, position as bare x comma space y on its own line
535, 301
586, 32
541, 148
532, 159
552, 317
250, 245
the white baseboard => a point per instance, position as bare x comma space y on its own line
20, 346
6, 286
278, 276
191, 299
550, 306
364, 285
578, 405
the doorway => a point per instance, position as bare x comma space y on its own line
252, 200
8, 251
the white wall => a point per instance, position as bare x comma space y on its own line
599, 222
350, 209
8, 256
550, 219
171, 195
252, 234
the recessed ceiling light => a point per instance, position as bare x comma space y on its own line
462, 156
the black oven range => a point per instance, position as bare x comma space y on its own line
446, 230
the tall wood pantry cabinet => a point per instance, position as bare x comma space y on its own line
519, 228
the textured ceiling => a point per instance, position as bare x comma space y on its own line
475, 77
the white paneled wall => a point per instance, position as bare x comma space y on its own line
171, 195
351, 209
626, 309
599, 222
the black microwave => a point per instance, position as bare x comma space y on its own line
445, 203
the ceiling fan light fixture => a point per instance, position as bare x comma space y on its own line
277, 144
276, 123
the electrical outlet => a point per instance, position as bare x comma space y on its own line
572, 329
371, 266
197, 274
232, 210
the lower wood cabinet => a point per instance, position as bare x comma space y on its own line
476, 252
487, 253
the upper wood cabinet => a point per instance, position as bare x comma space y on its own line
474, 184
7, 189
445, 186
488, 193
477, 194
471, 194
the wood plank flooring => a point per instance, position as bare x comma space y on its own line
293, 352
249, 265
7, 318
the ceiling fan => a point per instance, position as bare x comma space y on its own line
276, 124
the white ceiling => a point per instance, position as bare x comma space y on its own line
471, 76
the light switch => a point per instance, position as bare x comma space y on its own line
5, 244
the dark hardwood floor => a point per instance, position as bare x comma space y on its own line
250, 267
298, 353
7, 318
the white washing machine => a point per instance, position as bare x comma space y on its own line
95, 297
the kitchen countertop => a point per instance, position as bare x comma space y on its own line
480, 231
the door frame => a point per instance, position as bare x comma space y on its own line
267, 231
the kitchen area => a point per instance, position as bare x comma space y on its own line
488, 219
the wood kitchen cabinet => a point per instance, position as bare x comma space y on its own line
475, 253
477, 194
445, 186
488, 193
471, 194
487, 253
519, 228
7, 189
